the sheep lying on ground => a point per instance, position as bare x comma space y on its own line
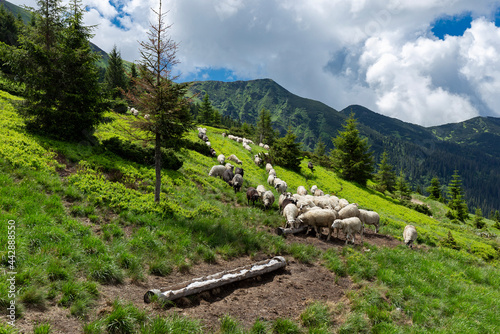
252, 195
290, 212
349, 211
234, 158
350, 226
410, 235
370, 218
318, 219
217, 171
236, 182
221, 159
268, 199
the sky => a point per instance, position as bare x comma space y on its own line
427, 62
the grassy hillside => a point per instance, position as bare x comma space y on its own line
85, 219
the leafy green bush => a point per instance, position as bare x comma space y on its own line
143, 155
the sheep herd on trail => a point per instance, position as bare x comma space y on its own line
302, 209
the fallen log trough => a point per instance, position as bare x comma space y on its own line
285, 231
201, 284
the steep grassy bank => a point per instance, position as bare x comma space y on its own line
85, 218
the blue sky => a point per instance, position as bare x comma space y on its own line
425, 62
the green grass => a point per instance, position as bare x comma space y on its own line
92, 227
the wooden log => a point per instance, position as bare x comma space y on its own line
284, 231
201, 284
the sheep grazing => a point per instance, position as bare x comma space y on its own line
204, 138
228, 175
217, 171
239, 170
349, 211
266, 147
272, 172
247, 147
228, 165
261, 189
268, 199
350, 226
224, 135
134, 111
234, 158
313, 189
284, 203
318, 219
147, 116
310, 166
370, 218
410, 235
236, 182
212, 152
270, 180
281, 186
221, 159
268, 167
323, 202
343, 203
208, 143
252, 195
301, 190
318, 192
258, 161
290, 212
261, 144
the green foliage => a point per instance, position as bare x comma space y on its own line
285, 326
316, 316
264, 132
124, 319
229, 325
434, 190
286, 152
402, 188
449, 242
44, 328
351, 156
144, 155
478, 221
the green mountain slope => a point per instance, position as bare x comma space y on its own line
86, 224
472, 147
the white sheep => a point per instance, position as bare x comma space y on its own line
228, 165
270, 180
134, 111
318, 219
301, 190
257, 160
323, 202
370, 218
349, 211
319, 192
268, 199
208, 143
268, 167
291, 212
272, 172
334, 201
410, 235
236, 182
221, 159
313, 189
350, 226
217, 170
266, 147
261, 144
147, 116
224, 135
234, 158
280, 187
343, 203
261, 190
282, 198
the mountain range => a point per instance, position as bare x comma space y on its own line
471, 147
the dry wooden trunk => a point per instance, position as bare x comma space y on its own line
201, 284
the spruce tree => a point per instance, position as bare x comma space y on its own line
320, 149
155, 93
385, 175
63, 97
457, 199
206, 112
478, 219
434, 190
265, 133
115, 77
286, 152
402, 187
496, 219
352, 157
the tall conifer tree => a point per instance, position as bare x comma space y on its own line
115, 77
457, 199
385, 175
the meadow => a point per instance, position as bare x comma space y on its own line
86, 218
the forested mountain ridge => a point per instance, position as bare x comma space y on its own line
471, 147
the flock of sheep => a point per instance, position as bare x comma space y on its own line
301, 209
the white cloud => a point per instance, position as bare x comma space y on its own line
377, 53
